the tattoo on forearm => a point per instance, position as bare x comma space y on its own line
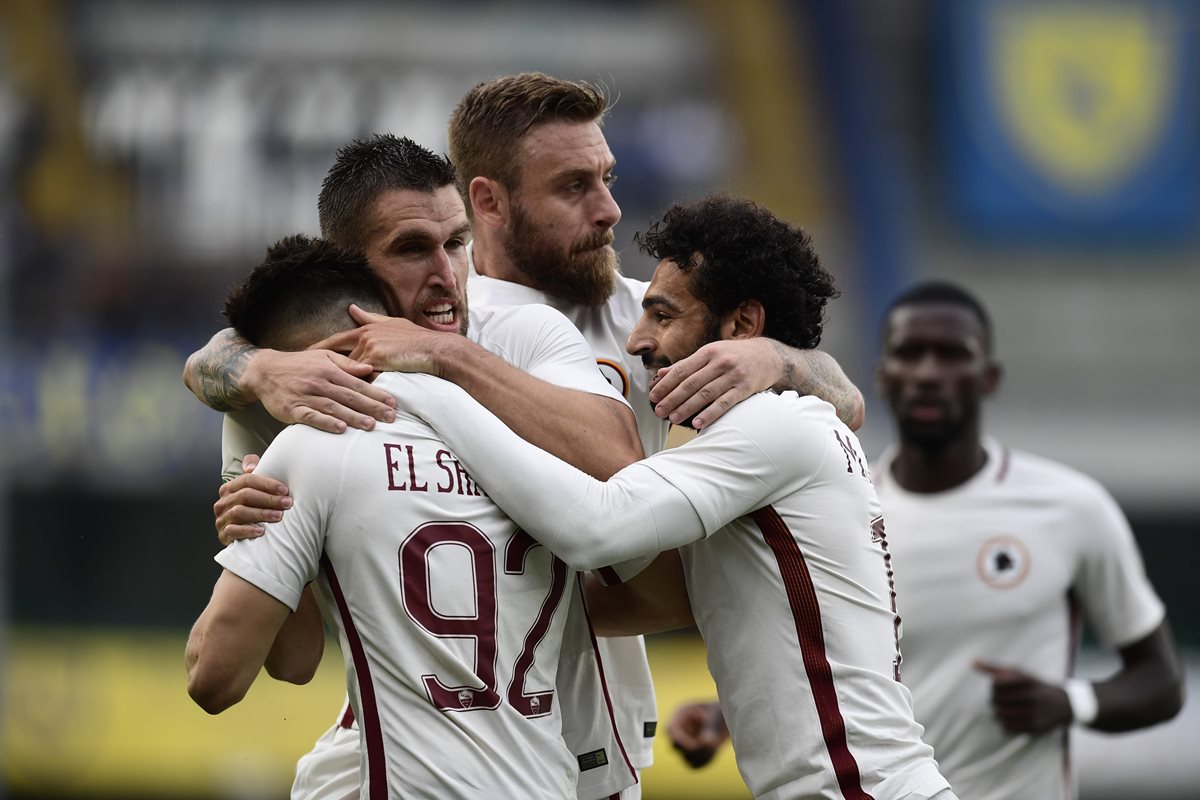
820, 376
217, 371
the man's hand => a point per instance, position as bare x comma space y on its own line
697, 731
247, 501
722, 374
318, 388
715, 378
391, 344
1024, 704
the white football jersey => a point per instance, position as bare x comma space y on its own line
998, 569
785, 556
606, 329
450, 618
540, 342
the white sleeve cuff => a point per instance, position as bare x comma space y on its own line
1082, 697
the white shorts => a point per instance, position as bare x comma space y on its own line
330, 771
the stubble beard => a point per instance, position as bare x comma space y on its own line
585, 274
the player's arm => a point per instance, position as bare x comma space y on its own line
587, 523
296, 652
230, 642
319, 388
594, 433
653, 601
1148, 689
722, 374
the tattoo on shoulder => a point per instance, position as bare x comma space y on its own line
219, 368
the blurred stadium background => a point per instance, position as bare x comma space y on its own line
1046, 153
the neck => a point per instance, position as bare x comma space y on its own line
921, 469
492, 260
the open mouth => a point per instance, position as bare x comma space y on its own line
442, 316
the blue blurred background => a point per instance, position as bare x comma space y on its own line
1045, 153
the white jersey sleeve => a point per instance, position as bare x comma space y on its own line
245, 430
542, 342
1117, 597
288, 556
587, 523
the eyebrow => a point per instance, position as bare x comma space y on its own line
420, 235
584, 172
658, 300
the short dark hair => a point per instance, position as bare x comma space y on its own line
302, 289
362, 170
735, 250
943, 292
487, 125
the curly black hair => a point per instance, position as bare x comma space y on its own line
300, 292
735, 250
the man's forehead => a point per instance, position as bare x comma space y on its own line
401, 208
670, 284
564, 146
935, 320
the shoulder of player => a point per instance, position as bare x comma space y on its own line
1031, 470
494, 321
626, 299
300, 446
785, 419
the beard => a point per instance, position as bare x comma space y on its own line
585, 273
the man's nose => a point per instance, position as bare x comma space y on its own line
639, 340
606, 213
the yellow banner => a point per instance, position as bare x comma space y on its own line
90, 713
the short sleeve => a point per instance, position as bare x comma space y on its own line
542, 342
287, 556
1118, 599
245, 430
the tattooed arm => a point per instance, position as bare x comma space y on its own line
316, 387
721, 374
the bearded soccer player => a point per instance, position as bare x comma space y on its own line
536, 172
470, 664
784, 552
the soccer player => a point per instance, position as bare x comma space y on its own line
788, 578
536, 172
462, 643
996, 552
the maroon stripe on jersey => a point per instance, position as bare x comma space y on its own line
610, 576
369, 724
612, 717
806, 611
347, 720
1002, 473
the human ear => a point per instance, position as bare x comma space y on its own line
747, 320
489, 201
